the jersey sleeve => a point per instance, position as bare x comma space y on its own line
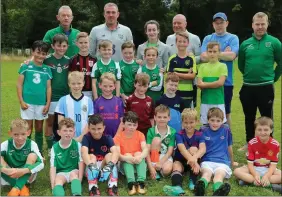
52, 158
197, 48
141, 137
200, 71
47, 38
117, 139
150, 135
128, 104
278, 59
194, 68
172, 139
38, 165
178, 139
201, 138
94, 72
91, 107
85, 141
182, 105
234, 44
159, 85
22, 69
152, 109
61, 107
4, 148
139, 70
250, 153
110, 142
93, 42
241, 58
121, 107
72, 66
169, 68
223, 70
129, 36
118, 71
204, 44
79, 151
49, 73
229, 137
96, 106
138, 55
276, 149
165, 57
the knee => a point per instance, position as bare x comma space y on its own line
74, 175
108, 156
237, 172
156, 143
92, 158
167, 169
31, 158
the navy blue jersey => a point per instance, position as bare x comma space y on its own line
100, 147
217, 143
176, 102
182, 138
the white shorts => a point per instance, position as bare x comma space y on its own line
213, 167
52, 108
67, 174
161, 156
262, 170
30, 180
88, 94
33, 112
204, 112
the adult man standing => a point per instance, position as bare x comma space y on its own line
179, 24
65, 18
256, 62
229, 46
110, 30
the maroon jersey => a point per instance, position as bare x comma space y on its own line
83, 64
263, 154
144, 108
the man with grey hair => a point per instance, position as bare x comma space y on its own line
179, 24
65, 18
110, 30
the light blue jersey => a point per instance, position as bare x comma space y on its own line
226, 40
76, 109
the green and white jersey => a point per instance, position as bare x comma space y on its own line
16, 157
59, 69
209, 73
65, 159
128, 73
167, 140
101, 67
35, 83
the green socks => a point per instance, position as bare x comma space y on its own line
20, 182
76, 187
39, 139
58, 190
205, 181
216, 185
49, 141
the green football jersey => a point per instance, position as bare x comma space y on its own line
128, 72
100, 68
16, 157
35, 83
209, 72
65, 159
59, 69
167, 140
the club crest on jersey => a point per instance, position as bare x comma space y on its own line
167, 140
207, 138
59, 70
91, 63
270, 153
26, 151
222, 137
267, 44
120, 36
104, 148
154, 75
251, 46
187, 62
84, 108
73, 153
148, 104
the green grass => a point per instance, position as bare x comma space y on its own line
10, 109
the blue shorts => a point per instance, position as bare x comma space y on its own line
228, 94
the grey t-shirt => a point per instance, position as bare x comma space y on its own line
194, 45
118, 36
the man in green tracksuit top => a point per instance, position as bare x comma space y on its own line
257, 56
65, 18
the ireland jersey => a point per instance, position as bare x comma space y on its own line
167, 140
35, 83
59, 69
65, 159
16, 157
76, 109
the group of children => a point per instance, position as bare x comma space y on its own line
119, 117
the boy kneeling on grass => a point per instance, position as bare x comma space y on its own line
262, 158
20, 159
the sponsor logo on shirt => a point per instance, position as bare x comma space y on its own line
267, 44
120, 36
30, 66
84, 108
148, 104
59, 155
222, 137
251, 46
270, 153
77, 63
167, 140
207, 138
73, 153
154, 75
262, 161
135, 102
104, 148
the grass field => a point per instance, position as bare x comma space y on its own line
10, 110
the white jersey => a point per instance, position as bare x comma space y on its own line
76, 109
118, 36
194, 45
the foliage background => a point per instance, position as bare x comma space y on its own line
24, 21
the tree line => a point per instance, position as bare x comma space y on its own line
24, 21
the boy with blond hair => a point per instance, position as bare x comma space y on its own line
160, 142
66, 164
184, 66
75, 105
20, 159
262, 157
211, 78
141, 104
105, 64
109, 106
83, 62
190, 147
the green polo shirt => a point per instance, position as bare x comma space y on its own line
72, 49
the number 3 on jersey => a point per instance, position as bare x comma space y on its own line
78, 117
36, 78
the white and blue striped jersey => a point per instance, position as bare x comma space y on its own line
76, 109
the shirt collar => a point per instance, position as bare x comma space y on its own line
253, 34
16, 146
168, 131
158, 43
106, 63
118, 26
62, 29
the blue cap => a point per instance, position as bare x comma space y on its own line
220, 15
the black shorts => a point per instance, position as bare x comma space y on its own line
228, 94
183, 161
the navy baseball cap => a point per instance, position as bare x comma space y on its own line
220, 15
